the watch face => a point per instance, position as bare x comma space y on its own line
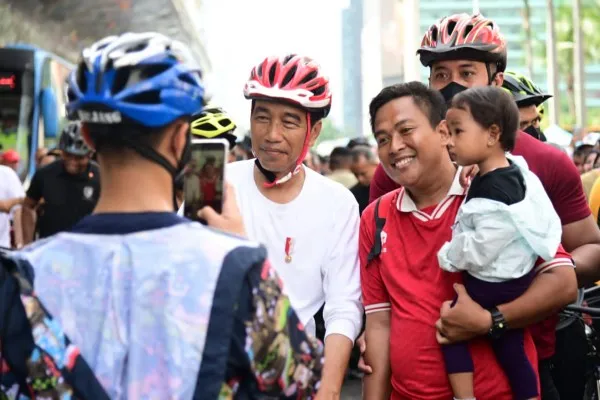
498, 323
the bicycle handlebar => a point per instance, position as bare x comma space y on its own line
584, 310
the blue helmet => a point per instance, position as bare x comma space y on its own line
145, 79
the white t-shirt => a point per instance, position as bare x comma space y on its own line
10, 188
322, 223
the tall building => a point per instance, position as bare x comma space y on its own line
352, 24
392, 42
372, 77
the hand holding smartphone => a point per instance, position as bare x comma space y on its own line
204, 177
230, 219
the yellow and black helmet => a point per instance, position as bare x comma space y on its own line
524, 91
214, 123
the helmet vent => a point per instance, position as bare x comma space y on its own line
309, 77
288, 77
207, 127
187, 79
319, 91
451, 26
468, 30
81, 78
149, 97
434, 33
272, 71
288, 58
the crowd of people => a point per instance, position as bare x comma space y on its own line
441, 255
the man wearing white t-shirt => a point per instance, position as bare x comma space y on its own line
308, 223
10, 188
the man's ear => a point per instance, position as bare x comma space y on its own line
85, 135
494, 132
179, 138
444, 132
315, 131
498, 79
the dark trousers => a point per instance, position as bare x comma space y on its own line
569, 362
509, 348
549, 391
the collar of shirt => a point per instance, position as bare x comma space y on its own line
406, 204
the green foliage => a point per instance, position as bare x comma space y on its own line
590, 25
330, 132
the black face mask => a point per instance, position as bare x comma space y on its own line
451, 90
535, 132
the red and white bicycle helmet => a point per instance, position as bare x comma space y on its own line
461, 36
296, 80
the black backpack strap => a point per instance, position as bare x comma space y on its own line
52, 367
379, 224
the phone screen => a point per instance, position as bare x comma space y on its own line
204, 176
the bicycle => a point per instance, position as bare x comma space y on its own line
587, 313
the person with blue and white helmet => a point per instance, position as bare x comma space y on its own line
134, 301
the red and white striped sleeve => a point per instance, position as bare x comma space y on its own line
561, 259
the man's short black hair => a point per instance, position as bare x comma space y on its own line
490, 105
430, 101
582, 150
340, 157
110, 138
366, 152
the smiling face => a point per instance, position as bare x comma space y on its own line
278, 134
408, 146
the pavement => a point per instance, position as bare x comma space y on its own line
352, 390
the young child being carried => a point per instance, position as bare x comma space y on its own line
505, 223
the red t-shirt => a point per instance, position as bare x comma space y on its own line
562, 183
208, 187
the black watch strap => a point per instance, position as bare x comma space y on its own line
498, 323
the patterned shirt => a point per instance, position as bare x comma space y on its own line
268, 351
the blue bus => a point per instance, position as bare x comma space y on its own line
32, 102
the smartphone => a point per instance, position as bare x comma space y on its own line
204, 176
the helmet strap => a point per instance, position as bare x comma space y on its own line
154, 156
491, 76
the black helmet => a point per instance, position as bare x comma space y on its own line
525, 92
71, 141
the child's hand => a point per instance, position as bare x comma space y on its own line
468, 173
463, 321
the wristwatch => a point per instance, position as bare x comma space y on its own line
498, 323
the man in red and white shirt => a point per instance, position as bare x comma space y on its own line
460, 65
404, 287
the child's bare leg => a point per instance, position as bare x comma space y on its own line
462, 385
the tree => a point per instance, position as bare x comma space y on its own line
590, 24
528, 37
330, 132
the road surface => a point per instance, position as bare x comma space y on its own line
351, 390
